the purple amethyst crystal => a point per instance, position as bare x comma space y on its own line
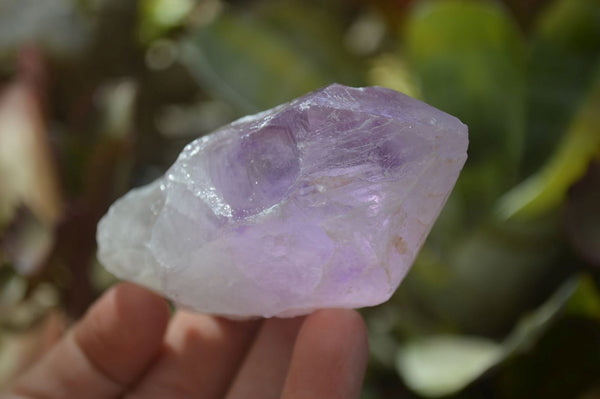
320, 202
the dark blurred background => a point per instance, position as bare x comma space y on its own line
98, 96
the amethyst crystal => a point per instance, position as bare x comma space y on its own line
320, 202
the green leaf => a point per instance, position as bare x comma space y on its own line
564, 52
392, 71
581, 216
546, 189
479, 281
533, 325
586, 299
308, 26
158, 16
470, 61
563, 362
441, 365
253, 63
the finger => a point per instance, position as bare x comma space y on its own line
200, 357
263, 373
105, 352
329, 358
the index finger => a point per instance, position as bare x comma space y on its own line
105, 352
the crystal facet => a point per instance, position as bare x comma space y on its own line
320, 202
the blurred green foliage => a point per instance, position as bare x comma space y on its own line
97, 96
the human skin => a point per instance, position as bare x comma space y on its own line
128, 345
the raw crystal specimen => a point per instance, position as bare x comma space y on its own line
320, 202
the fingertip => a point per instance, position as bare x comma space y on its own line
339, 328
200, 357
263, 372
330, 356
348, 320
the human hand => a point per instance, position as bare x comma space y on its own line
128, 346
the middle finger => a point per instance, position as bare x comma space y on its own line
200, 357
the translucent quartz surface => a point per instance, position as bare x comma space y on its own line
321, 202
